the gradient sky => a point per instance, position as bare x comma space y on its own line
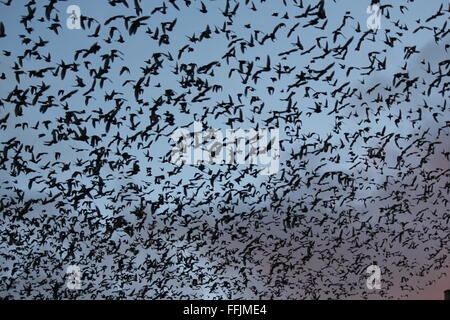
140, 47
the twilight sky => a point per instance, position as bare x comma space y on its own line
150, 229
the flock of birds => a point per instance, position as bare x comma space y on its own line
85, 172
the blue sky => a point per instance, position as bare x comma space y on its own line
139, 48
